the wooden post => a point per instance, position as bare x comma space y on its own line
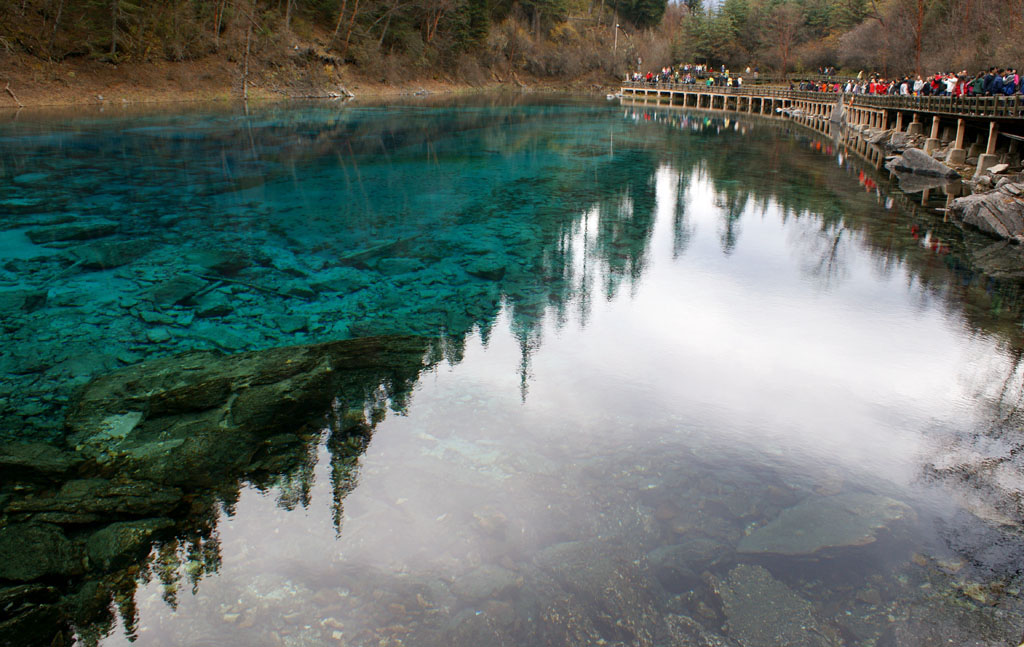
915, 127
957, 154
989, 158
932, 143
993, 134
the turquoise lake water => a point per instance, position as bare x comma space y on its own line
693, 380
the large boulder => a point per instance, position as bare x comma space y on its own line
916, 161
999, 212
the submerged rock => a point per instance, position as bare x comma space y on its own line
86, 500
825, 522
177, 290
916, 161
999, 212
600, 577
191, 418
1001, 260
490, 268
487, 582
105, 255
123, 541
21, 300
31, 461
29, 551
684, 631
225, 262
940, 621
761, 611
29, 615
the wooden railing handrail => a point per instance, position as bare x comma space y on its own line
997, 107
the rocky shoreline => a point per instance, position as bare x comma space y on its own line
991, 200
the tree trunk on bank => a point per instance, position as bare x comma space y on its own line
114, 6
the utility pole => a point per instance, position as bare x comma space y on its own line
615, 47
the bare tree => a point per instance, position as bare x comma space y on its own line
783, 31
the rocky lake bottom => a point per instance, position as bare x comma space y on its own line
502, 372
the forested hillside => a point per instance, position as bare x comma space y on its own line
887, 36
472, 41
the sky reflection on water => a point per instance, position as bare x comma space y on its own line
665, 333
718, 371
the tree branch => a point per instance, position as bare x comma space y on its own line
13, 96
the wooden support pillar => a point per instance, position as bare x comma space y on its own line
957, 155
993, 135
915, 127
932, 143
989, 158
899, 121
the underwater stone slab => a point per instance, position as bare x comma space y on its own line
943, 621
1001, 260
213, 304
21, 300
87, 496
30, 551
34, 461
176, 290
761, 611
74, 231
123, 541
684, 631
105, 255
604, 577
485, 583
291, 323
225, 262
818, 523
399, 265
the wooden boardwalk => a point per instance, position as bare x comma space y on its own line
952, 119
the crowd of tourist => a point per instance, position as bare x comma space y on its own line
991, 82
693, 74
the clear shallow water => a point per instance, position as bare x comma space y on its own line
664, 336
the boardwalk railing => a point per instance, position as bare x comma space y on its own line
997, 107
